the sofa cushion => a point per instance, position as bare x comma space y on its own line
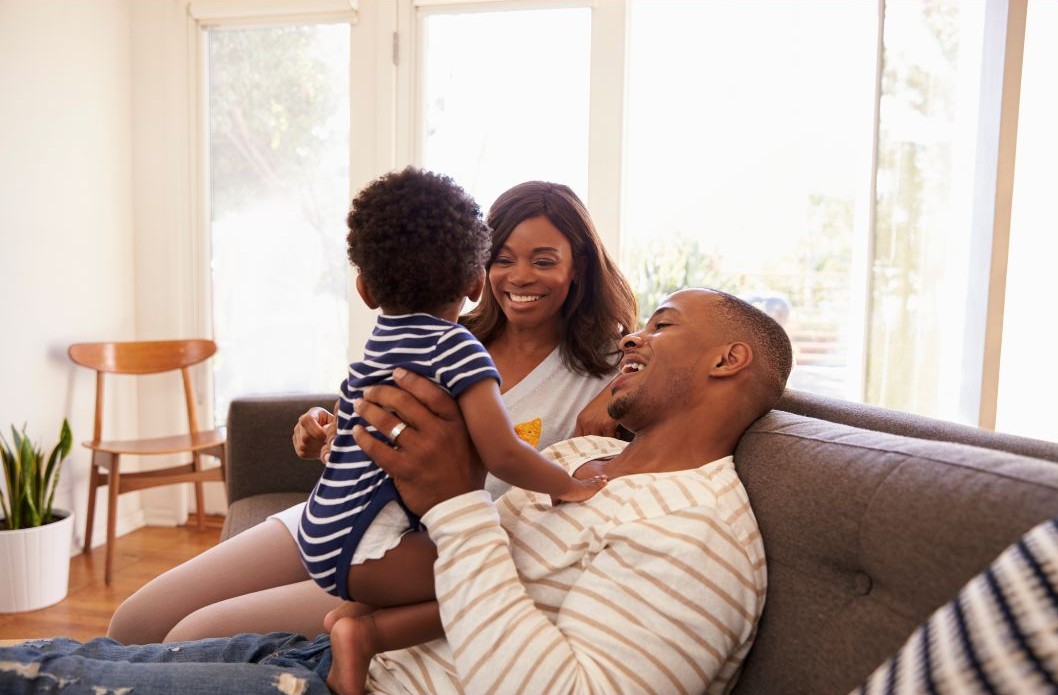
866, 533
249, 511
261, 457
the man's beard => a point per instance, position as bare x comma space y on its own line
629, 408
632, 407
619, 407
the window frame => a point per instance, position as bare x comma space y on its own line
387, 104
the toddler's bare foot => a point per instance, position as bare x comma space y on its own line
585, 489
351, 652
348, 609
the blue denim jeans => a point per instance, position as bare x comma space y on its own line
273, 663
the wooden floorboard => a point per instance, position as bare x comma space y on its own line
86, 610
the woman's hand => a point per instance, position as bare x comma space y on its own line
595, 419
314, 432
432, 459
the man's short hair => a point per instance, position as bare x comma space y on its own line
769, 341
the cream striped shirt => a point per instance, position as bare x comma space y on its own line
655, 585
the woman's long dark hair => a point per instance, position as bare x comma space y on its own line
600, 307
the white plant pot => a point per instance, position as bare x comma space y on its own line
35, 565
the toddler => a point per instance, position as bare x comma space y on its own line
420, 246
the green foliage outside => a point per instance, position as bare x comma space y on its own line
271, 94
659, 267
274, 93
30, 480
817, 278
914, 172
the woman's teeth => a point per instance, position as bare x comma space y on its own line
523, 297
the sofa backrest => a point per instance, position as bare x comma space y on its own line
259, 445
867, 532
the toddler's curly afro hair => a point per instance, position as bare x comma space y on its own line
417, 239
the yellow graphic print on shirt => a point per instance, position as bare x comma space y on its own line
529, 431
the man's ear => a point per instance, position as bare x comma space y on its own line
474, 293
731, 359
365, 293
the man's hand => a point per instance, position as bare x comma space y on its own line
314, 432
433, 459
595, 419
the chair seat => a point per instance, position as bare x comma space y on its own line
197, 441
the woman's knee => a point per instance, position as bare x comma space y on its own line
137, 620
199, 624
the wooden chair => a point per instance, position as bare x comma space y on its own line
146, 358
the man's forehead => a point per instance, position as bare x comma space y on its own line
686, 301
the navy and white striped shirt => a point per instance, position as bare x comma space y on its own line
352, 489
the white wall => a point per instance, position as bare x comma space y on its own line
66, 225
172, 268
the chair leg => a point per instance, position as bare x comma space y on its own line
114, 487
93, 488
200, 498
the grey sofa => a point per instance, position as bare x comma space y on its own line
871, 519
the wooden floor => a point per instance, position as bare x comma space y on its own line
140, 556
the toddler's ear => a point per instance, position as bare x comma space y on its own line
474, 293
365, 293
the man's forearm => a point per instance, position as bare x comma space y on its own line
489, 618
571, 603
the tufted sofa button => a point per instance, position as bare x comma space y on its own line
862, 584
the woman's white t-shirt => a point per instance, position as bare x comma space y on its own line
551, 392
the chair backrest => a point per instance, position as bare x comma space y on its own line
143, 357
146, 357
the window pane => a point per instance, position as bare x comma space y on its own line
749, 150
1028, 376
926, 163
505, 96
279, 150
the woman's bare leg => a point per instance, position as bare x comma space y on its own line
264, 557
299, 608
356, 639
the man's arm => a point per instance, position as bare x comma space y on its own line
668, 606
661, 608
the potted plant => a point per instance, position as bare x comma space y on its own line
34, 538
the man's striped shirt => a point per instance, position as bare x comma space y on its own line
654, 585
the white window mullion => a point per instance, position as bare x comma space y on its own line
863, 238
1000, 97
609, 41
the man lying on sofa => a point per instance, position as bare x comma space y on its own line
653, 585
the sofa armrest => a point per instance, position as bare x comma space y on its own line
261, 458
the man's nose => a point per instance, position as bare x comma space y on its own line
630, 341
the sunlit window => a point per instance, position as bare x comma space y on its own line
278, 160
1028, 375
748, 161
505, 98
925, 190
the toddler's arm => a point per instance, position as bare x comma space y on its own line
509, 458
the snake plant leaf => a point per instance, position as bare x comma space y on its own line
8, 464
54, 467
31, 482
